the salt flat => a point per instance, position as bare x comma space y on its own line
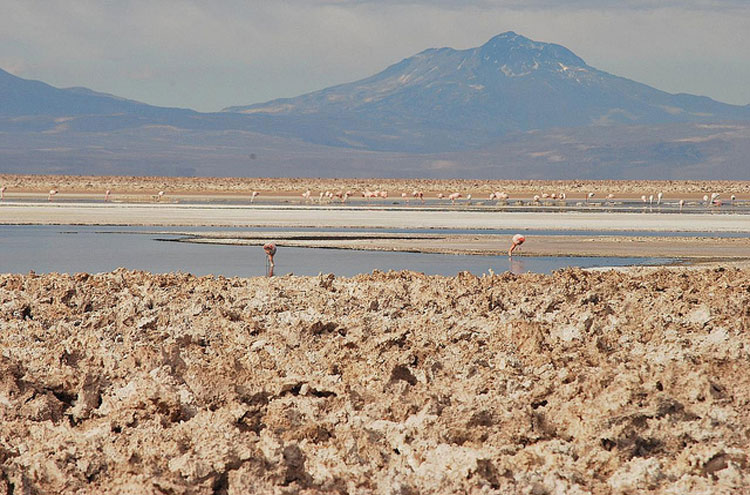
365, 217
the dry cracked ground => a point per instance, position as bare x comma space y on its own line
578, 382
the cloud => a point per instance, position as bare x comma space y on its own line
208, 55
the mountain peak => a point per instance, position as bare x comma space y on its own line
513, 46
507, 36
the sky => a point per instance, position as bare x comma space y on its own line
208, 55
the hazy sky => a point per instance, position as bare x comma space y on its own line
210, 54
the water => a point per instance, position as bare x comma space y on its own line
71, 249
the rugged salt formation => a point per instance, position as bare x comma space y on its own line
579, 382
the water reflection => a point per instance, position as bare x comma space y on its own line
517, 265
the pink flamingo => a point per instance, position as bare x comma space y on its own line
254, 195
2, 193
405, 197
270, 249
454, 196
383, 194
306, 196
106, 195
160, 196
418, 194
52, 192
517, 240
682, 203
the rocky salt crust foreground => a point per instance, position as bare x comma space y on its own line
579, 382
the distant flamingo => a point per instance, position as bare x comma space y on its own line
610, 198
589, 196
454, 196
732, 197
106, 195
306, 196
644, 198
705, 199
651, 199
418, 194
440, 195
270, 249
383, 194
468, 198
320, 197
254, 195
2, 192
536, 198
517, 240
658, 199
52, 192
160, 195
405, 197
682, 203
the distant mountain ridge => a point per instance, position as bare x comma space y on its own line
26, 97
511, 107
445, 99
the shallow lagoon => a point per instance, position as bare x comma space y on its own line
71, 249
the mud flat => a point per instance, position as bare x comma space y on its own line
694, 248
579, 382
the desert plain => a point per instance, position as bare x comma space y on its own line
580, 382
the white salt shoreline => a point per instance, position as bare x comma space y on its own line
364, 217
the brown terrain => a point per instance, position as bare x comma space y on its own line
579, 382
126, 185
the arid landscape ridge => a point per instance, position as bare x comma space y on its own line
512, 108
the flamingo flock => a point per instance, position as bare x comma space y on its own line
649, 200
655, 199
